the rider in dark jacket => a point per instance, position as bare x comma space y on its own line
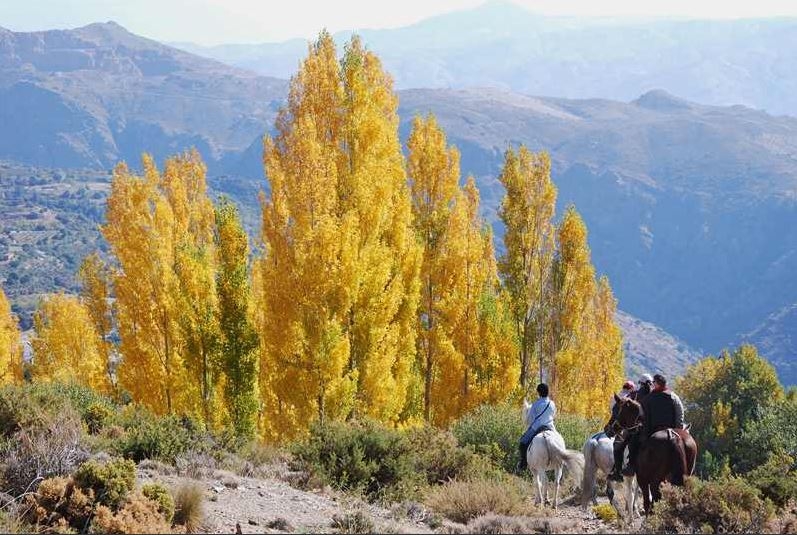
625, 438
663, 408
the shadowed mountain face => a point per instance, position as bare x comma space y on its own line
750, 62
91, 96
688, 206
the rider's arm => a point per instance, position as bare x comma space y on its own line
679, 412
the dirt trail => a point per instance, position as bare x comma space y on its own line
258, 504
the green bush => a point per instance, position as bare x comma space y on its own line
492, 430
776, 479
577, 429
147, 436
438, 456
362, 457
32, 403
97, 417
111, 481
729, 505
158, 494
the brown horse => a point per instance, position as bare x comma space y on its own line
665, 455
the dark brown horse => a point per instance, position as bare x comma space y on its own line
665, 455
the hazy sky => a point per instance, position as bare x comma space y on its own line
248, 21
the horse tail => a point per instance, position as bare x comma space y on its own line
679, 467
588, 481
574, 461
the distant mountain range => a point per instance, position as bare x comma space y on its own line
686, 204
499, 44
90, 96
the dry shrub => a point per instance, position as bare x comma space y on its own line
416, 512
462, 501
728, 505
499, 524
98, 498
356, 522
50, 447
157, 467
279, 524
138, 514
196, 465
188, 507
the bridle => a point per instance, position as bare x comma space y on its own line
615, 425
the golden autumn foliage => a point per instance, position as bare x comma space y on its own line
564, 317
527, 211
95, 278
377, 293
338, 281
462, 364
66, 345
160, 228
10, 344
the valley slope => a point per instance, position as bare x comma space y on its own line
686, 204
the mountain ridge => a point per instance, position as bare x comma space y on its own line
682, 200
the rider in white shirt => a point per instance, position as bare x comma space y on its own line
542, 413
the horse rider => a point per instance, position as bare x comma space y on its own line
620, 439
645, 386
627, 438
663, 408
542, 413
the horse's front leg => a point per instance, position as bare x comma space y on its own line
609, 494
629, 492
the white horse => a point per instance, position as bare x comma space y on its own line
547, 452
599, 455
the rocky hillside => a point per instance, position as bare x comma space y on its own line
91, 96
776, 339
685, 203
649, 349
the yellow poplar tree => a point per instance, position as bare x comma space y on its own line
465, 344
381, 322
573, 284
584, 341
95, 279
307, 278
433, 171
184, 185
139, 230
482, 328
10, 344
66, 346
527, 212
338, 281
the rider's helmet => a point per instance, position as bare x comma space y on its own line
645, 378
628, 385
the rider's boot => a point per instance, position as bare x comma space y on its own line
522, 464
615, 474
